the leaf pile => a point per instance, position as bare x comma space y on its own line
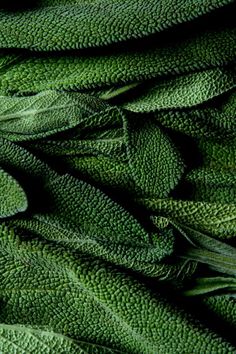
117, 176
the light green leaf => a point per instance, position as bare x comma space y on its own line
218, 262
44, 114
21, 340
202, 286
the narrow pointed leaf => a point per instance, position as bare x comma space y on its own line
12, 196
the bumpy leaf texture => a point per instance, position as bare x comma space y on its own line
44, 114
217, 219
25, 339
37, 72
90, 295
57, 25
117, 176
184, 91
214, 120
12, 196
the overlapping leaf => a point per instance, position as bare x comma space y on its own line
37, 72
44, 114
81, 24
89, 295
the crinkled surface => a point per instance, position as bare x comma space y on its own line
117, 176
81, 24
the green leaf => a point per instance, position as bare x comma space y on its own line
202, 286
224, 307
201, 240
217, 219
218, 262
138, 259
23, 163
217, 255
97, 222
12, 197
44, 114
155, 164
83, 24
183, 91
21, 340
30, 172
77, 296
212, 185
38, 72
212, 120
218, 153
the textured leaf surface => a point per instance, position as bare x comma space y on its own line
136, 156
37, 72
81, 24
88, 295
88, 214
154, 162
30, 172
216, 119
216, 218
23, 163
224, 307
19, 339
140, 259
49, 112
12, 197
213, 185
184, 91
218, 153
118, 144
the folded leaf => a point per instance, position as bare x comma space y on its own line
212, 120
221, 263
90, 215
44, 114
23, 163
139, 259
213, 284
203, 241
30, 172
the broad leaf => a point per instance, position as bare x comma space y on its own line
78, 296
